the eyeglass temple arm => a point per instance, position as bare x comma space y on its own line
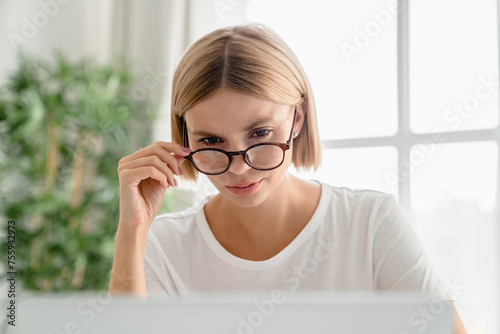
302, 97
293, 126
183, 132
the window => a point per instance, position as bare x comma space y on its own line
407, 101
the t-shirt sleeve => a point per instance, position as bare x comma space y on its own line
399, 258
154, 286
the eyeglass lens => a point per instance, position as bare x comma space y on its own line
260, 157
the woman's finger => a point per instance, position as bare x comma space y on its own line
166, 168
132, 177
161, 149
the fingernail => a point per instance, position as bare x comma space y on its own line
180, 171
187, 150
175, 181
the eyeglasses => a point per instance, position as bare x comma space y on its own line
264, 156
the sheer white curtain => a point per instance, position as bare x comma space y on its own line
151, 35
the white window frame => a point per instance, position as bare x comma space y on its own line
404, 139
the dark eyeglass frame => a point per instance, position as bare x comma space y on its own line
283, 146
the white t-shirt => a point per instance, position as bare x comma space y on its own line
355, 240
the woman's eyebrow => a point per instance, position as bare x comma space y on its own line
253, 125
203, 133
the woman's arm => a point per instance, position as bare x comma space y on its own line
144, 177
127, 275
459, 326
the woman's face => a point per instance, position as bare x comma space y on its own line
233, 121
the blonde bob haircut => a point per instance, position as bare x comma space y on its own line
250, 59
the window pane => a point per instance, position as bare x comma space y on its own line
348, 50
453, 65
358, 168
453, 201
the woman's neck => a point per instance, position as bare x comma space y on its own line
262, 231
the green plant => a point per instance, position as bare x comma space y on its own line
63, 128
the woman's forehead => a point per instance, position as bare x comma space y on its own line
234, 110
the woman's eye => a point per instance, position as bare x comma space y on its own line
210, 140
261, 133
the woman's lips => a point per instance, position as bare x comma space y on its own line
244, 188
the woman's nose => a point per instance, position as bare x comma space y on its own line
238, 165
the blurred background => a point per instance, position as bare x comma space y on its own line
407, 98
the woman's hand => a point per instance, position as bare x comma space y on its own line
144, 177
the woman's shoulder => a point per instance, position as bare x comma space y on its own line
362, 209
180, 222
341, 195
350, 204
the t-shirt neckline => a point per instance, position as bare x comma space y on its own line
238, 262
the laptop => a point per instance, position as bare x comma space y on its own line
234, 313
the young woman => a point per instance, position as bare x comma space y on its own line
242, 113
